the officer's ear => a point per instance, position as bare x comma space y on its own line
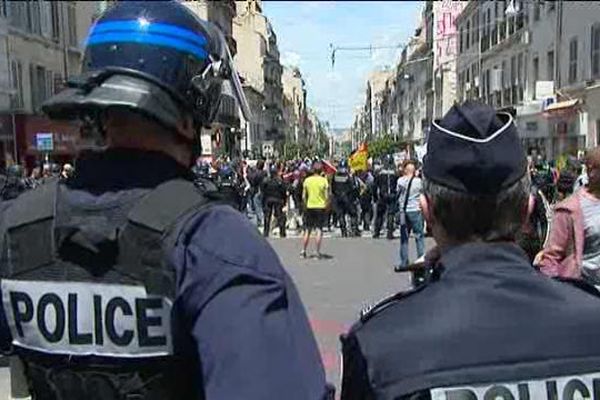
426, 208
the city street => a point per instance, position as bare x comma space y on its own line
334, 290
358, 273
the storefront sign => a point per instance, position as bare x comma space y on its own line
44, 141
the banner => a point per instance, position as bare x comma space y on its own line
358, 160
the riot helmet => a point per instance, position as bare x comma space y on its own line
388, 161
342, 166
155, 58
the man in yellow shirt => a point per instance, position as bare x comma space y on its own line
315, 193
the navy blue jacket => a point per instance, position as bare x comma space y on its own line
249, 328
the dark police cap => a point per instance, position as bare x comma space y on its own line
473, 149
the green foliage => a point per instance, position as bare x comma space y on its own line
385, 145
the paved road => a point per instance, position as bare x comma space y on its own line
334, 290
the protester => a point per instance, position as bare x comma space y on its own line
573, 249
274, 191
315, 197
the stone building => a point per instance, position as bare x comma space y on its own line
258, 64
540, 61
43, 44
294, 105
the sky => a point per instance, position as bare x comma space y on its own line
305, 30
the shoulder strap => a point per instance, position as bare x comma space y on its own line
164, 206
34, 205
368, 312
407, 194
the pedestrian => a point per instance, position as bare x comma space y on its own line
315, 196
410, 189
67, 171
484, 325
139, 286
573, 248
256, 177
274, 192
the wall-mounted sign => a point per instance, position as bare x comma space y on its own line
44, 141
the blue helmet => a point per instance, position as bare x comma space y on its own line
157, 58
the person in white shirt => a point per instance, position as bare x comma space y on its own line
410, 188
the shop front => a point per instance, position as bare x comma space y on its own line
7, 142
40, 140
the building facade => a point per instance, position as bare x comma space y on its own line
540, 61
294, 105
43, 44
257, 61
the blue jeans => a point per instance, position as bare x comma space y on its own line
257, 208
414, 223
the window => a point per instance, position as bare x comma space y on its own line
595, 56
536, 73
58, 83
550, 68
41, 89
513, 70
16, 74
3, 8
520, 77
35, 22
17, 14
551, 5
536, 10
55, 19
461, 40
475, 34
468, 35
72, 24
573, 60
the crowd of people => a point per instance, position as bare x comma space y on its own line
385, 197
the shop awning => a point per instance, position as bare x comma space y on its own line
562, 105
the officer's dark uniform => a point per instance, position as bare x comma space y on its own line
128, 281
345, 193
486, 325
386, 197
274, 191
227, 182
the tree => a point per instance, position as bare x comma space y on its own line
385, 145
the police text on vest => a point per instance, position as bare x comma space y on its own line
580, 387
87, 318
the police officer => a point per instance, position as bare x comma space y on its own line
345, 193
386, 197
228, 185
139, 287
486, 325
275, 193
15, 184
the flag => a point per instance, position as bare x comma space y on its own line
358, 160
328, 168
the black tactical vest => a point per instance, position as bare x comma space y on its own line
88, 293
341, 185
